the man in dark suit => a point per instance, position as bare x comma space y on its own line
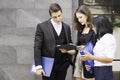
48, 36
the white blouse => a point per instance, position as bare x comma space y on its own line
105, 47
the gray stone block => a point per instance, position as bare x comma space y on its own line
11, 4
75, 4
8, 55
5, 30
117, 37
25, 31
8, 40
24, 54
13, 40
41, 14
17, 4
7, 17
24, 40
26, 20
18, 72
24, 3
67, 14
65, 4
3, 75
43, 4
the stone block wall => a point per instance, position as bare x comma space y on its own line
18, 20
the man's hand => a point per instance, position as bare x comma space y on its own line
71, 52
63, 50
40, 72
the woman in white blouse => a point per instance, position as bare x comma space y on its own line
104, 49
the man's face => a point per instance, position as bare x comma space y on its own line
56, 17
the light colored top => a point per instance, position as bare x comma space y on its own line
105, 47
57, 27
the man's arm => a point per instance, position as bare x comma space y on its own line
37, 50
37, 45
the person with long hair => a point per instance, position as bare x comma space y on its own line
85, 33
104, 50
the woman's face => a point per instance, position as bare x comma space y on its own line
81, 18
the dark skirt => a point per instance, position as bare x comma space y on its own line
103, 73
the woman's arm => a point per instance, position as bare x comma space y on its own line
89, 56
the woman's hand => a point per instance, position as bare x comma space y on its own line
80, 47
87, 67
87, 56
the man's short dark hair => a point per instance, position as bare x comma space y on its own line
54, 7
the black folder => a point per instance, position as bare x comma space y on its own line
68, 47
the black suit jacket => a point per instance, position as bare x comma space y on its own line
44, 44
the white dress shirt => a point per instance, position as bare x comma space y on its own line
57, 27
105, 47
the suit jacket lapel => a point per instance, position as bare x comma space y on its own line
50, 30
66, 33
51, 35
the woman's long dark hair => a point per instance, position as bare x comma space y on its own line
103, 25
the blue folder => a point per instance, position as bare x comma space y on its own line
89, 48
47, 64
